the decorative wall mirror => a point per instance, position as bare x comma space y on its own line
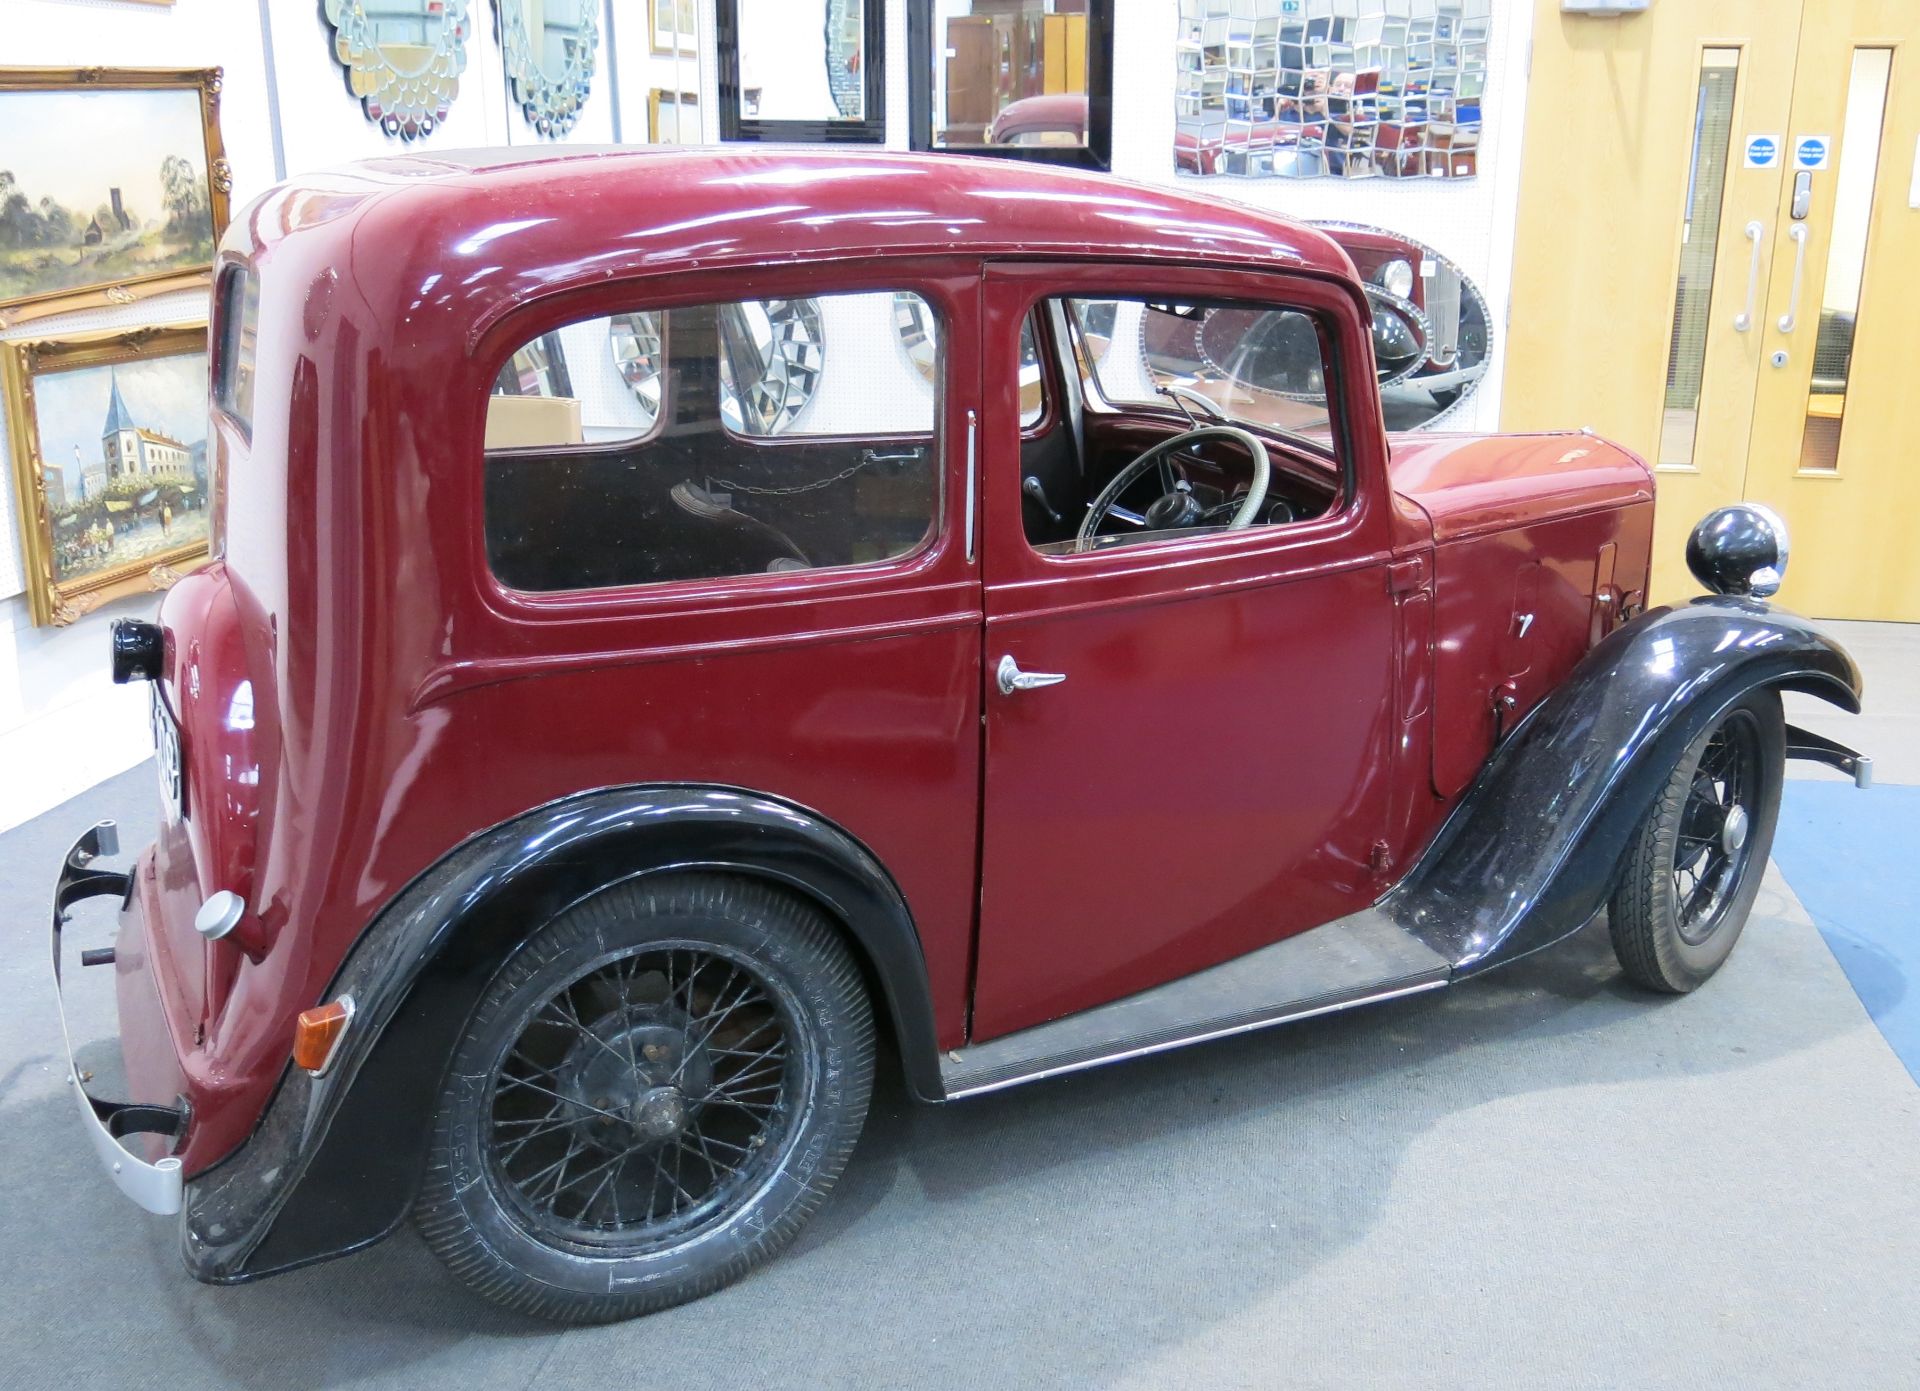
1022, 79
802, 70
1432, 334
550, 48
402, 59
639, 342
772, 353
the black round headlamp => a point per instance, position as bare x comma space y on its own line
1740, 549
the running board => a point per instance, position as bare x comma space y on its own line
1352, 961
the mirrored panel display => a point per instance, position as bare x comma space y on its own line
1352, 89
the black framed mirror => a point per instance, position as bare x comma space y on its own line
1018, 79
805, 71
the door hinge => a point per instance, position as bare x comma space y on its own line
1406, 576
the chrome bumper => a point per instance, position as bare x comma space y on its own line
156, 1186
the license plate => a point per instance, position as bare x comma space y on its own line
166, 758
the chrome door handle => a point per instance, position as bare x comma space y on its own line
1744, 319
1799, 234
1010, 678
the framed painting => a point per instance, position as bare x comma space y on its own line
109, 442
674, 25
113, 186
673, 118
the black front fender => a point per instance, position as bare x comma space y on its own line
335, 1161
1533, 849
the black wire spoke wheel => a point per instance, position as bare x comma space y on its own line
1714, 842
1692, 874
643, 1095
654, 1092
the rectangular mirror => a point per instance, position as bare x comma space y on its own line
1022, 79
804, 71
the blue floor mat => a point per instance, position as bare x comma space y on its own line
1853, 858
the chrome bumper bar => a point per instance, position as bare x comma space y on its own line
156, 1186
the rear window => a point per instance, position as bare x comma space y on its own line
239, 315
718, 440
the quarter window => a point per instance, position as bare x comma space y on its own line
739, 438
239, 331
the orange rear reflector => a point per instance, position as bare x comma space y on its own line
318, 1032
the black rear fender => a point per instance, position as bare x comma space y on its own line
335, 1161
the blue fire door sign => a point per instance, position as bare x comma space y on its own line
1763, 151
1810, 151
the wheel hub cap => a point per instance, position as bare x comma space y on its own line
1733, 831
658, 1114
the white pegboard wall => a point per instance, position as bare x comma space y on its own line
184, 307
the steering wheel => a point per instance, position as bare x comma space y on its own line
1175, 508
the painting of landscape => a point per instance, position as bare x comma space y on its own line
101, 187
123, 459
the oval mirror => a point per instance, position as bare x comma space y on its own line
638, 345
550, 48
771, 353
401, 58
1432, 332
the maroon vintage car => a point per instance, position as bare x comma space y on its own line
683, 622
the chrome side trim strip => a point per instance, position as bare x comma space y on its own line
973, 434
1286, 1015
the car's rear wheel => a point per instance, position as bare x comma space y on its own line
653, 1094
1693, 872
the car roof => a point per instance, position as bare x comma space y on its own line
536, 216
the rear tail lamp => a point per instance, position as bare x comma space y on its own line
317, 1034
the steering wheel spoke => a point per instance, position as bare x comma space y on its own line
1161, 457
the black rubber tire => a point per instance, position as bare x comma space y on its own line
476, 1231
1643, 915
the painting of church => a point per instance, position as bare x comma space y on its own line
133, 451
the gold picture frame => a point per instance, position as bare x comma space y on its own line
194, 196
659, 100
682, 26
135, 518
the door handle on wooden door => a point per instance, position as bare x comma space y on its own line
1799, 234
1744, 319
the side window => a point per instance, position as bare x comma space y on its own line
1260, 365
1151, 370
239, 311
739, 438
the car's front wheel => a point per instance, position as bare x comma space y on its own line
653, 1094
1694, 870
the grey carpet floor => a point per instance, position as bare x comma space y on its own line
1541, 1179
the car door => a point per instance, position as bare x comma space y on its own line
1211, 770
